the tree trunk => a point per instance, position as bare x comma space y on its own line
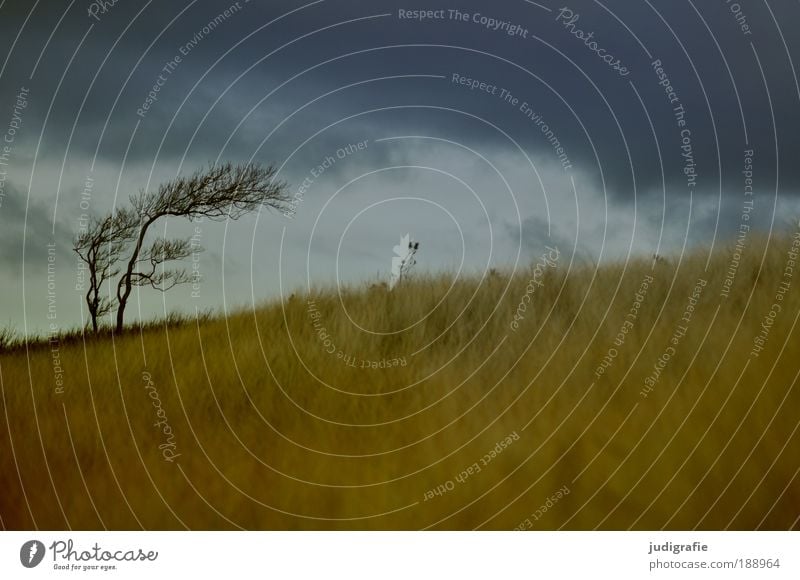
91, 302
121, 314
125, 281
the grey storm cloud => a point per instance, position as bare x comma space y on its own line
27, 231
578, 102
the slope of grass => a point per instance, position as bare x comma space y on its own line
248, 421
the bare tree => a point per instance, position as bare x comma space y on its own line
219, 192
101, 246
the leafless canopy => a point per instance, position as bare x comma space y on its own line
219, 192
224, 191
160, 251
101, 246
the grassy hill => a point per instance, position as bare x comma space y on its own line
629, 396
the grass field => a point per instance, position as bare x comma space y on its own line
587, 412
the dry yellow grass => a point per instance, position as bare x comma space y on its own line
267, 441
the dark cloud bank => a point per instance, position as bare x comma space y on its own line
620, 126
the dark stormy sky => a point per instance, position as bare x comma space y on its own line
473, 174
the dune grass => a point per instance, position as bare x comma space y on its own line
438, 414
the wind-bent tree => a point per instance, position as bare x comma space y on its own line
100, 246
220, 192
117, 245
